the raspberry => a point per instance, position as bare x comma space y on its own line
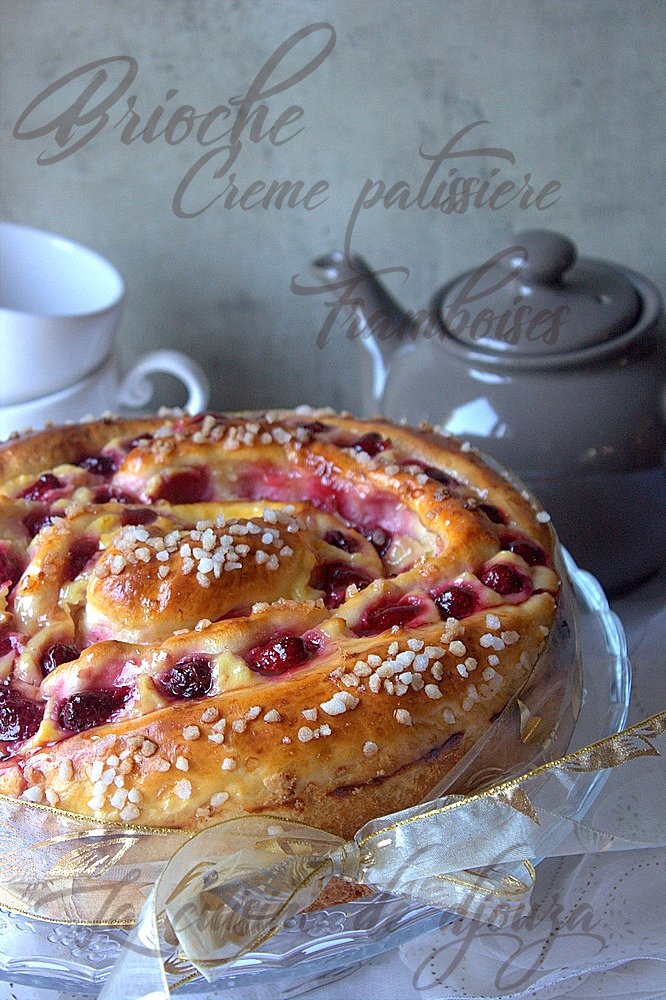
282, 652
456, 602
91, 708
191, 677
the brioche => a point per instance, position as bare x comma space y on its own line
290, 612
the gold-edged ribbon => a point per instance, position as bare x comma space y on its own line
221, 893
230, 888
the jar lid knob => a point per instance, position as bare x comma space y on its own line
546, 256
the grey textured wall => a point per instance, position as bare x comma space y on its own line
573, 88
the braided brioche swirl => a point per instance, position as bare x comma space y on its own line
293, 612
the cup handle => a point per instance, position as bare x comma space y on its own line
136, 388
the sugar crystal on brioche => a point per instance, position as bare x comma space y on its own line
291, 612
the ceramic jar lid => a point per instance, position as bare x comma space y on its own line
537, 298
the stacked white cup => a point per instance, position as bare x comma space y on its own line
60, 309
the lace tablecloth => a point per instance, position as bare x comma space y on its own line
598, 927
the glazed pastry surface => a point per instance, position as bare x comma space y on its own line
291, 612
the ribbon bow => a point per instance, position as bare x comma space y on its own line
229, 888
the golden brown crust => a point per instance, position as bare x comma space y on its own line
373, 718
37, 451
337, 892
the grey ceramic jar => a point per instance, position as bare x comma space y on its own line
556, 367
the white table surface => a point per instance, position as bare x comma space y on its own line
457, 957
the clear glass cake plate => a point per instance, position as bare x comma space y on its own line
79, 959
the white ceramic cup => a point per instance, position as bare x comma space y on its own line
106, 390
60, 307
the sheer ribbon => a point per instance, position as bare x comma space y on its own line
220, 893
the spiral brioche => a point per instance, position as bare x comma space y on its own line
291, 612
